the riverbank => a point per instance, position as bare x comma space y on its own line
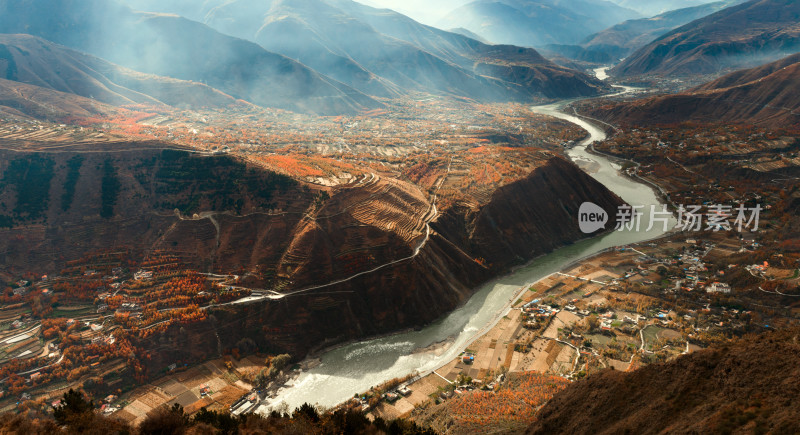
355, 367
549, 328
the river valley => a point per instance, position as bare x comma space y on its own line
355, 367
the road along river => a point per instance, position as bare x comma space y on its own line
356, 367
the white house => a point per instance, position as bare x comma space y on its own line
718, 287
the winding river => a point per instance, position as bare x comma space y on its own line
356, 367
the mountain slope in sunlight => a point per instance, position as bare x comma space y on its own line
387, 54
749, 386
745, 35
172, 46
21, 100
623, 38
537, 23
768, 95
35, 61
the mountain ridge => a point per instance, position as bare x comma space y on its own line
621, 39
746, 387
38, 62
766, 95
176, 47
536, 23
386, 54
745, 35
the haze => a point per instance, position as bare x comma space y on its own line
429, 12
424, 11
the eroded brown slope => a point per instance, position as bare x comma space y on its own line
527, 218
345, 257
750, 386
514, 226
768, 95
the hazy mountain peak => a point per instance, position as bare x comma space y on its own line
173, 46
41, 63
655, 7
536, 23
745, 35
377, 51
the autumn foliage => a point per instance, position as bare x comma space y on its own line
515, 402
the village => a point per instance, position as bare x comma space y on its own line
622, 309
79, 326
59, 332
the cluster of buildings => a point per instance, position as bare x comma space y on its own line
142, 275
394, 395
533, 312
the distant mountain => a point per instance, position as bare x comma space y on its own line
767, 95
32, 60
622, 39
524, 70
469, 34
655, 7
424, 11
194, 10
171, 46
386, 54
748, 386
741, 36
537, 23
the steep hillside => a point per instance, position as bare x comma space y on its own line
521, 68
472, 35
451, 47
35, 61
744, 76
176, 47
194, 10
386, 54
407, 293
766, 95
749, 386
537, 23
623, 38
507, 410
655, 7
219, 214
20, 100
746, 35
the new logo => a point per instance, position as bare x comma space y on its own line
591, 217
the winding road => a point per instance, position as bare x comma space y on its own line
430, 216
